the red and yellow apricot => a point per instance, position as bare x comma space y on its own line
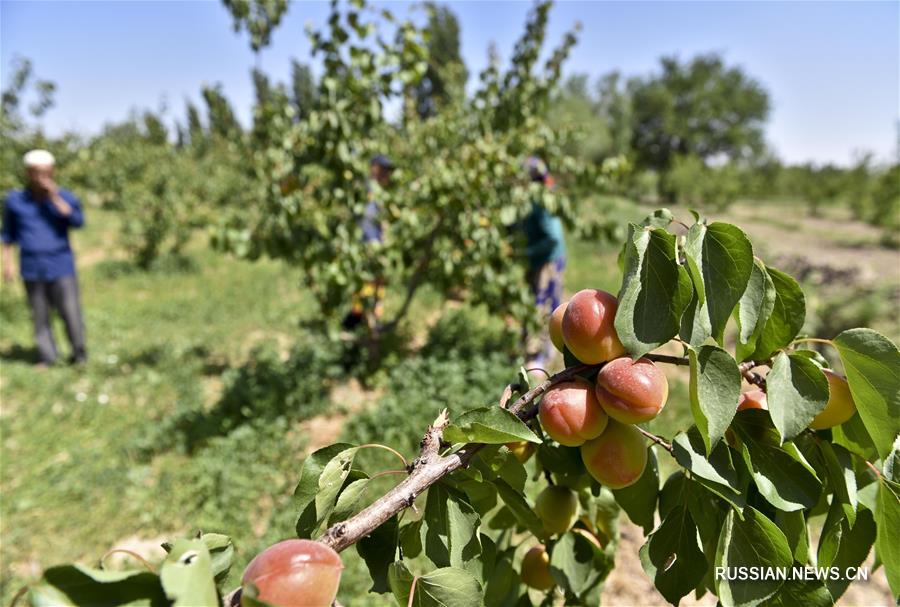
570, 413
557, 507
840, 407
588, 327
536, 569
632, 391
616, 458
295, 573
752, 399
556, 319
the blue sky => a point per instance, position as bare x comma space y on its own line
832, 68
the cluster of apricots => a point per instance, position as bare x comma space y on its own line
600, 417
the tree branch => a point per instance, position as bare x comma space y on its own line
415, 279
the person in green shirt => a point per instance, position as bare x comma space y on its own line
546, 253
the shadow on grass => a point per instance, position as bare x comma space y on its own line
269, 386
20, 354
165, 264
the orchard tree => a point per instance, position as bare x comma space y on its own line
446, 74
303, 88
459, 188
791, 465
701, 108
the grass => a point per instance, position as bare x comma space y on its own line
185, 417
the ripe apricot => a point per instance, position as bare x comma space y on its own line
632, 391
295, 573
557, 507
570, 413
556, 318
752, 399
588, 327
617, 457
840, 405
536, 569
522, 450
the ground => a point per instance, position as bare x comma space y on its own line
153, 439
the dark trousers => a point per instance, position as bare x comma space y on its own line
61, 294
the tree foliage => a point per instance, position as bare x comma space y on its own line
459, 188
701, 108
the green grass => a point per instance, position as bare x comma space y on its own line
186, 416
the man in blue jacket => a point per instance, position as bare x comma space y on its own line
546, 253
38, 219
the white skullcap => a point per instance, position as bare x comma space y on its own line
39, 158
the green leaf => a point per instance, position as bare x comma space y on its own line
450, 528
639, 500
782, 475
754, 542
221, 552
808, 593
796, 391
446, 587
331, 482
313, 465
853, 436
717, 472
655, 291
785, 321
794, 526
351, 498
856, 542
523, 512
887, 542
715, 387
843, 477
871, 362
79, 585
672, 557
720, 261
187, 576
378, 550
576, 564
754, 309
660, 218
489, 425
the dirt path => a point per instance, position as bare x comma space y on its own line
834, 241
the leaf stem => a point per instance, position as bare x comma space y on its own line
681, 361
412, 591
817, 340
130, 553
18, 596
386, 448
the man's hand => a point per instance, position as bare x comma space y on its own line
9, 272
46, 184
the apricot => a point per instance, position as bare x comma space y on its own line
752, 399
522, 450
570, 413
617, 458
588, 327
536, 569
840, 406
295, 573
557, 507
589, 537
556, 319
632, 391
